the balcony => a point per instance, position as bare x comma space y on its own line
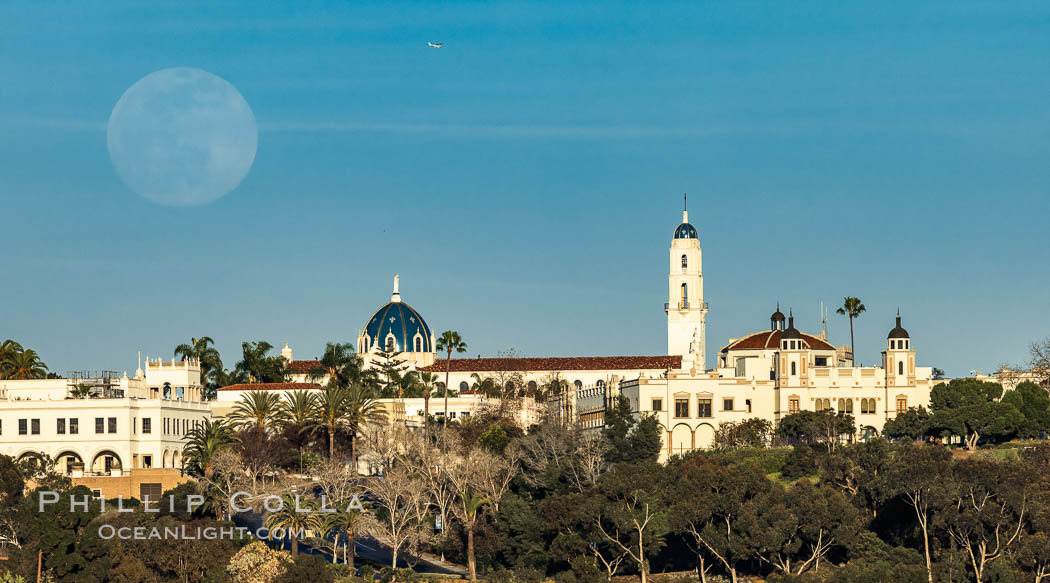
685, 305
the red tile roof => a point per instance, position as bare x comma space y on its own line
770, 339
559, 363
270, 387
304, 366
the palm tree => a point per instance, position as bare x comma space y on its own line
853, 308
344, 522
203, 443
300, 408
260, 410
202, 350
427, 380
26, 365
81, 392
361, 408
450, 341
291, 521
259, 365
472, 504
329, 413
8, 349
227, 377
340, 365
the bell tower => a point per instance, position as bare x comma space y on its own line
685, 308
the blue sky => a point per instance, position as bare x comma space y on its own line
525, 179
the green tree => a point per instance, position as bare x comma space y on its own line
707, 502
911, 424
449, 342
470, 505
990, 506
816, 427
630, 439
67, 536
344, 523
346, 409
300, 411
427, 382
921, 477
226, 377
25, 364
203, 443
853, 308
793, 529
202, 349
262, 410
390, 370
971, 409
632, 518
1034, 404
259, 365
296, 516
341, 366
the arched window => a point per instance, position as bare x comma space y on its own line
685, 262
419, 344
532, 386
793, 368
463, 386
577, 383
900, 367
600, 384
390, 343
685, 294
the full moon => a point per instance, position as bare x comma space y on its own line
182, 137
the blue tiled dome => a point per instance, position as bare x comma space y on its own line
685, 231
404, 323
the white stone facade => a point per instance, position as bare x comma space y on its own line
129, 423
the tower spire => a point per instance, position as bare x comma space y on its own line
396, 296
685, 208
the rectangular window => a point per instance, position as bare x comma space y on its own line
74, 426
23, 426
704, 408
727, 404
96, 493
149, 491
112, 424
902, 405
35, 425
681, 407
658, 404
147, 425
60, 426
820, 361
792, 405
147, 461
100, 424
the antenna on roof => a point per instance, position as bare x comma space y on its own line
823, 321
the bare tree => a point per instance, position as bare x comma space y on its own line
1041, 361
580, 453
402, 521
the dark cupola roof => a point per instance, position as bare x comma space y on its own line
898, 332
791, 333
685, 230
776, 321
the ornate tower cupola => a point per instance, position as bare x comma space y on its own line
793, 356
685, 308
776, 321
899, 358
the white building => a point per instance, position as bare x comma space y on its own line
125, 424
766, 374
